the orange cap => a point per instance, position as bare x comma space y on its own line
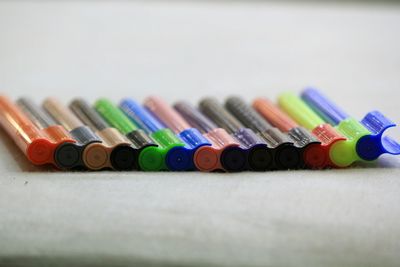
35, 145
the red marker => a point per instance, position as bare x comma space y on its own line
315, 155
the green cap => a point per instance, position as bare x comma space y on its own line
154, 158
114, 116
299, 111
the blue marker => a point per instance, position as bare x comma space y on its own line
153, 158
179, 158
368, 134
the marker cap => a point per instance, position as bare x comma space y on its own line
181, 158
358, 136
314, 155
123, 156
259, 154
154, 158
372, 146
309, 147
208, 158
286, 155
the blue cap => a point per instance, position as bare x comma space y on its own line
181, 158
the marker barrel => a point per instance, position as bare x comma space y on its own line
178, 158
33, 143
88, 151
331, 139
273, 114
194, 117
285, 154
141, 116
314, 155
164, 113
324, 107
151, 156
253, 153
58, 135
219, 115
121, 155
207, 158
366, 136
299, 111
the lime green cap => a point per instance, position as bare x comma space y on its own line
114, 116
299, 111
344, 153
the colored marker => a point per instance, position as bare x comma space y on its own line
314, 154
306, 117
122, 155
286, 155
210, 158
60, 137
93, 154
255, 153
36, 146
180, 158
366, 136
150, 157
166, 139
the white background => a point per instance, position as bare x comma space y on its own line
186, 51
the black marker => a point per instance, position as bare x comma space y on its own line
120, 151
63, 156
256, 153
286, 155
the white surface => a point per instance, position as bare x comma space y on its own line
186, 51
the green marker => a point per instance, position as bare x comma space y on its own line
341, 151
116, 118
165, 138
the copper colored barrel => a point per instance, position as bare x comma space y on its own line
95, 154
33, 143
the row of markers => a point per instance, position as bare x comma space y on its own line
301, 132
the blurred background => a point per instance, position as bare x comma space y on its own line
188, 49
